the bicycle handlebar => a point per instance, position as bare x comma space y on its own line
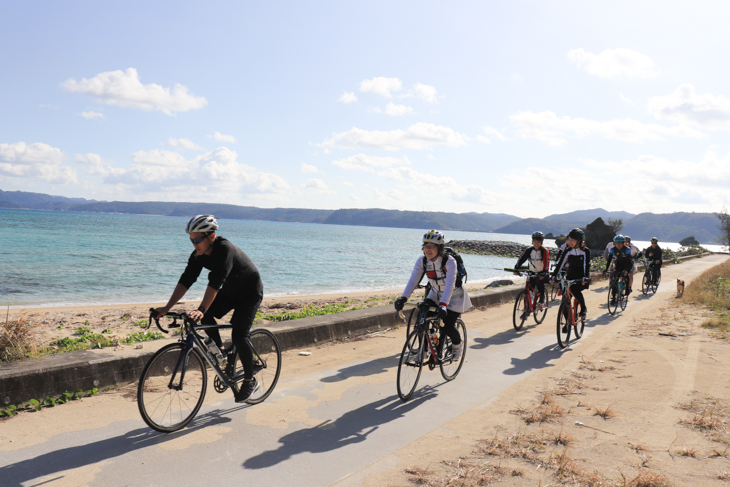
414, 305
175, 316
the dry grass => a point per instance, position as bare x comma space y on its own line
527, 446
649, 478
604, 413
16, 338
711, 416
687, 452
460, 473
540, 414
567, 386
711, 288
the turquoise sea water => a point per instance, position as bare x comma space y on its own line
55, 258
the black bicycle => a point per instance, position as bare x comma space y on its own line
650, 283
618, 290
174, 382
426, 344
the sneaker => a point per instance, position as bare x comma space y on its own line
582, 315
541, 300
628, 291
456, 352
248, 387
613, 302
565, 328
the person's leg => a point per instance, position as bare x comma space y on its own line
449, 327
577, 290
242, 321
657, 272
218, 309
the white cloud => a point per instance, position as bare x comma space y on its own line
418, 136
38, 160
124, 89
224, 138
96, 165
517, 78
548, 127
347, 98
92, 115
318, 185
362, 162
614, 63
685, 105
217, 171
306, 168
489, 134
390, 195
381, 86
626, 99
183, 144
394, 110
426, 92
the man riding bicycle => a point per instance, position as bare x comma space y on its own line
538, 258
621, 256
234, 284
654, 252
441, 271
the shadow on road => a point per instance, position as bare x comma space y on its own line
352, 427
372, 367
537, 360
56, 461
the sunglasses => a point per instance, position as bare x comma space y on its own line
197, 240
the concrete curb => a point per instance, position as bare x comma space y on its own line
53, 375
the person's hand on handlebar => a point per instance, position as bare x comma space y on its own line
160, 312
196, 315
399, 303
442, 312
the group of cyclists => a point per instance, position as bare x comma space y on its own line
234, 283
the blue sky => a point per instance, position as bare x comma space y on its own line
523, 107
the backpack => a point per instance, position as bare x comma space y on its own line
460, 269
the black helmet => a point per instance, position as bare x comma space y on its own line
538, 236
654, 240
577, 234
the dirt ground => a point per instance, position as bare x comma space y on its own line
642, 401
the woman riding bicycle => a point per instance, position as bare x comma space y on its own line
577, 257
234, 284
441, 271
621, 256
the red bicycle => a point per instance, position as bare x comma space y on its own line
527, 301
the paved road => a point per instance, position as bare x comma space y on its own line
324, 423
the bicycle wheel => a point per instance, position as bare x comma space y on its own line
170, 395
646, 282
521, 310
410, 365
554, 287
409, 327
623, 300
266, 363
539, 313
612, 298
580, 323
449, 367
563, 327
654, 287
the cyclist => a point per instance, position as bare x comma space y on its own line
623, 260
609, 246
577, 259
441, 272
538, 258
635, 254
234, 284
654, 252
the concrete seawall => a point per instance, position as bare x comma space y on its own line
55, 374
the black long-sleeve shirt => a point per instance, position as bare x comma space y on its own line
231, 271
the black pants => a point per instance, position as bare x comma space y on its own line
657, 269
538, 284
577, 290
450, 326
244, 312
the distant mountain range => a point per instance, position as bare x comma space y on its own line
670, 227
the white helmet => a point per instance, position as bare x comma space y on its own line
434, 236
202, 224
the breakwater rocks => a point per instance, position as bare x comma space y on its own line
500, 248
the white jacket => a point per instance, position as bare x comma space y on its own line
442, 284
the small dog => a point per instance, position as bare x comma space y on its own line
680, 288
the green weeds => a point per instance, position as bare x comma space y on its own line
307, 311
142, 336
48, 402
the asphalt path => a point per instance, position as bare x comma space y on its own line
323, 427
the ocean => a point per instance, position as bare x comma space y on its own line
65, 259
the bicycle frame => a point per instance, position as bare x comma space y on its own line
424, 324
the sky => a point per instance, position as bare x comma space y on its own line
528, 108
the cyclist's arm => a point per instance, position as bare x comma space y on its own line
416, 276
608, 261
525, 256
208, 298
561, 262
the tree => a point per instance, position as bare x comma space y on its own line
616, 225
724, 227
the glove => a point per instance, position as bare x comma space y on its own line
442, 312
399, 303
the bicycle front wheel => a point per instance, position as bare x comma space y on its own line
409, 327
266, 364
612, 299
540, 312
521, 311
410, 365
563, 324
580, 323
646, 282
172, 388
450, 367
655, 284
